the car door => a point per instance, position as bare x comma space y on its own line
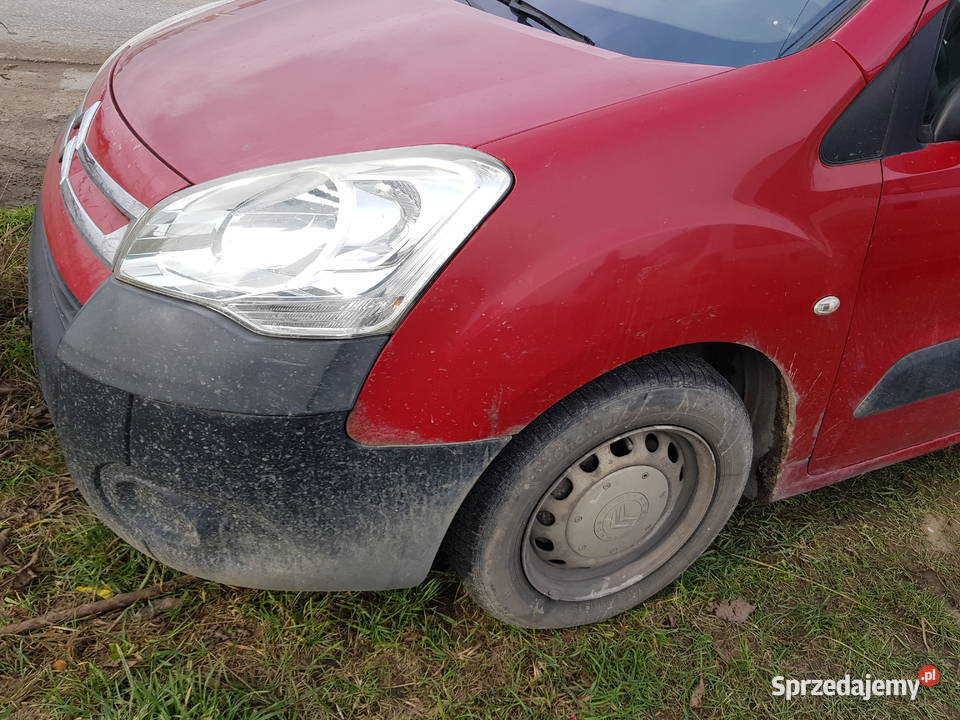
898, 388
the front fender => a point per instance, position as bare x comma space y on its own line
698, 214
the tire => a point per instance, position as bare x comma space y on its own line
625, 525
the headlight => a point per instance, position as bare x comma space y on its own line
337, 247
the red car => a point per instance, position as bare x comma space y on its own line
325, 292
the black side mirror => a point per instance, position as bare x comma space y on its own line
945, 125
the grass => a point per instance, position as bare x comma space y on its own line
844, 580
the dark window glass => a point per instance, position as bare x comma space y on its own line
947, 73
711, 32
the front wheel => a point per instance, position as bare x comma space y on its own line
607, 497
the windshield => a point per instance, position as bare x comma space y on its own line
710, 32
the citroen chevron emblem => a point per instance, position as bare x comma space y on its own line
622, 518
620, 515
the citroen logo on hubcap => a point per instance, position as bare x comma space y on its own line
620, 515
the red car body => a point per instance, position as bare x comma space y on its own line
655, 205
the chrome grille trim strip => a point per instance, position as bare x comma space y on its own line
73, 122
103, 244
124, 201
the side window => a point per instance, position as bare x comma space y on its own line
915, 100
946, 76
941, 118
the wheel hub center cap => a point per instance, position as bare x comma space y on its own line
618, 511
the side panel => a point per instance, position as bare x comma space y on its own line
698, 214
909, 302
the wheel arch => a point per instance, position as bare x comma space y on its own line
767, 396
770, 401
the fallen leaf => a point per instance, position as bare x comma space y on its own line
23, 578
103, 592
736, 611
696, 697
727, 648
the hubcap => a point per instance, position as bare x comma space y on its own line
618, 513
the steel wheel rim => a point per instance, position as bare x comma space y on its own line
619, 513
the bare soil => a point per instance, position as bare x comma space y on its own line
36, 98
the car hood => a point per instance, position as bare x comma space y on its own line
261, 82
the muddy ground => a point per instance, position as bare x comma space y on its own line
35, 100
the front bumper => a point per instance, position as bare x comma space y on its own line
225, 454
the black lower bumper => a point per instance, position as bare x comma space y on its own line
280, 499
